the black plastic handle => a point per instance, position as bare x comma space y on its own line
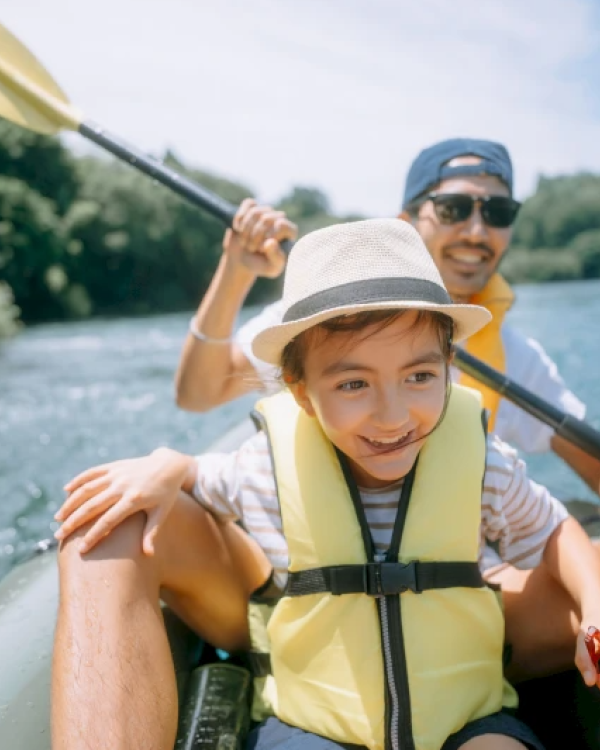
572, 429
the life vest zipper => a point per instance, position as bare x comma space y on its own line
398, 714
393, 715
399, 719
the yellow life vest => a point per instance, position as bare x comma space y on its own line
486, 344
410, 667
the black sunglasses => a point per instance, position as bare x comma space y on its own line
497, 211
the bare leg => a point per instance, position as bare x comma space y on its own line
113, 682
542, 622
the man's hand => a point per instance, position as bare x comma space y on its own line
254, 240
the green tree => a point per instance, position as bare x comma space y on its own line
9, 312
310, 209
520, 265
40, 161
31, 251
117, 234
560, 209
586, 248
304, 203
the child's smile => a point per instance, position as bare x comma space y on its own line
377, 394
387, 445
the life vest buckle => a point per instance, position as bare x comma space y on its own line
389, 578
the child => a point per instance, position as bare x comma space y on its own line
364, 490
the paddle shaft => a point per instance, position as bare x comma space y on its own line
178, 183
155, 169
568, 427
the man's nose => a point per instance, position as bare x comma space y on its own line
475, 228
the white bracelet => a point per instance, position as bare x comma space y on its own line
203, 337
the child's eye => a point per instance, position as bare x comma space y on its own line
421, 377
352, 385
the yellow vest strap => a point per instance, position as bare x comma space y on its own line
486, 344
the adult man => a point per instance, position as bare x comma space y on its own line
458, 195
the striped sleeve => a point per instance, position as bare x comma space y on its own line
516, 512
240, 486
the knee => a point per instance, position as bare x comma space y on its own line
119, 551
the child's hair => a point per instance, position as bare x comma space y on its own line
294, 353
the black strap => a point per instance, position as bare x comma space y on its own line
258, 662
384, 579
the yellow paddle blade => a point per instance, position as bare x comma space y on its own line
28, 94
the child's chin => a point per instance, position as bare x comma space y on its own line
387, 474
393, 475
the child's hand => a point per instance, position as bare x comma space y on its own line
588, 654
112, 492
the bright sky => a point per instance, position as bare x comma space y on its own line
337, 94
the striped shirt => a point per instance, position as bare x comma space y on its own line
516, 513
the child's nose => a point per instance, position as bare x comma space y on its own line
391, 411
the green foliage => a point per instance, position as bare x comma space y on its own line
39, 160
31, 250
521, 265
586, 247
560, 209
9, 312
304, 203
85, 235
557, 234
309, 208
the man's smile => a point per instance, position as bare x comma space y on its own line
469, 255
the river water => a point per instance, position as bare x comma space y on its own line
74, 395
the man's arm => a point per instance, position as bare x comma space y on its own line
213, 368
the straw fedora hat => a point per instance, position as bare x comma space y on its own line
378, 264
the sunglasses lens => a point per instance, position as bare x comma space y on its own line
450, 209
499, 212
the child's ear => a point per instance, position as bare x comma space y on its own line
298, 391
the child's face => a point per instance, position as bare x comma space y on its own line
377, 394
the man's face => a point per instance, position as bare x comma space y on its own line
466, 253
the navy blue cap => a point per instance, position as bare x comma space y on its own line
431, 165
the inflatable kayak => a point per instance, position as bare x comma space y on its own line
214, 690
